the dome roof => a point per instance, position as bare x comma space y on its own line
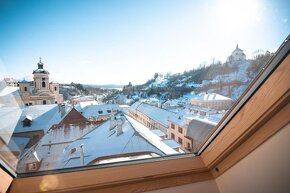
40, 69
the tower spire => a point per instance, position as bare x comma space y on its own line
40, 64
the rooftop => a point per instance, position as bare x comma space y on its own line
157, 114
209, 97
43, 117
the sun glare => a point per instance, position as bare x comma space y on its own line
235, 15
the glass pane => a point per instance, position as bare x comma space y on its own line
125, 80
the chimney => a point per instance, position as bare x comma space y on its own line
62, 109
113, 122
59, 107
119, 127
82, 154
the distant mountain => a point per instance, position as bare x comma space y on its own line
103, 86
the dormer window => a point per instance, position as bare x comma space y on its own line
27, 121
25, 89
32, 166
100, 112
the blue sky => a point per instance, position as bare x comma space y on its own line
107, 41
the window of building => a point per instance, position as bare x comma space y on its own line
25, 88
26, 122
179, 140
188, 145
205, 83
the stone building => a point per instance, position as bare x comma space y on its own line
190, 132
40, 91
11, 82
237, 55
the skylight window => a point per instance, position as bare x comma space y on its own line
134, 84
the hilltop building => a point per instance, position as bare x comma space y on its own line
237, 55
40, 91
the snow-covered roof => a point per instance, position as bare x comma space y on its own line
133, 107
51, 146
157, 114
40, 71
158, 132
103, 142
28, 117
209, 97
171, 143
98, 110
199, 130
151, 137
174, 103
83, 98
83, 104
43, 117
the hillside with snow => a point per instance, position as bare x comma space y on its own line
229, 79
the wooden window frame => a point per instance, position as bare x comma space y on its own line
6, 180
264, 114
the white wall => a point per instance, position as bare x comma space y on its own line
266, 169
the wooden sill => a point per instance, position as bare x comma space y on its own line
184, 170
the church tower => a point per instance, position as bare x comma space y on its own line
40, 79
40, 91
